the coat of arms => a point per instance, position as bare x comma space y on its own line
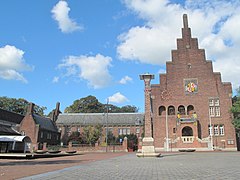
190, 86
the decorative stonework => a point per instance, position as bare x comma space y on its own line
190, 86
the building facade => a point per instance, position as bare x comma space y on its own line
32, 130
191, 105
117, 123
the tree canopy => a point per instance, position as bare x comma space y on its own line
19, 105
90, 104
236, 109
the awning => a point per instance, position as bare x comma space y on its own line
15, 139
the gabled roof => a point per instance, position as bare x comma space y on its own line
45, 123
10, 116
101, 118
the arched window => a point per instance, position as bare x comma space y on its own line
171, 110
190, 110
187, 131
181, 110
161, 110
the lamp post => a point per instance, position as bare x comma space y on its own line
167, 142
107, 126
211, 130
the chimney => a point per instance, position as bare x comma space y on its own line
56, 112
30, 109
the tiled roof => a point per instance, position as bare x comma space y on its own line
101, 118
45, 123
10, 116
8, 130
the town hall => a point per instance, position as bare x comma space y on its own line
190, 107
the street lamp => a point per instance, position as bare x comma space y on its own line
107, 126
210, 130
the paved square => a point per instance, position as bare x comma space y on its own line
196, 165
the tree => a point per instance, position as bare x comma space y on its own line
111, 138
90, 104
236, 110
92, 133
19, 106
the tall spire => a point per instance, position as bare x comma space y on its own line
186, 32
185, 21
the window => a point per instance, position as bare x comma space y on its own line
209, 130
128, 131
124, 131
217, 111
214, 107
221, 129
120, 131
181, 110
211, 111
230, 141
41, 135
171, 110
190, 110
174, 130
49, 135
137, 130
162, 109
216, 130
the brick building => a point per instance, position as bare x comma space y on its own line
36, 129
117, 123
190, 105
41, 130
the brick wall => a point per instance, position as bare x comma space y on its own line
189, 62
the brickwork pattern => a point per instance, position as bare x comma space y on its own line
189, 62
186, 166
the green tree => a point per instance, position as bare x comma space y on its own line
19, 105
111, 138
89, 104
92, 133
236, 109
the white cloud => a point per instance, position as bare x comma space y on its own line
12, 63
125, 79
55, 79
60, 14
94, 69
215, 23
117, 98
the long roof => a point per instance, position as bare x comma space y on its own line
45, 123
10, 117
101, 118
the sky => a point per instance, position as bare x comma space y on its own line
60, 51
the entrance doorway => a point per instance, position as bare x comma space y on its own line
187, 131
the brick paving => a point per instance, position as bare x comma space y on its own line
17, 168
197, 165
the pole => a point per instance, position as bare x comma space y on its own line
167, 144
211, 131
107, 128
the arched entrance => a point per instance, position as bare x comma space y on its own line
187, 135
187, 131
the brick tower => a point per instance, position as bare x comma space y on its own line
190, 108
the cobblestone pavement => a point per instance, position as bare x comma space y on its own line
197, 165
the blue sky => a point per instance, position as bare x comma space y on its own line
55, 50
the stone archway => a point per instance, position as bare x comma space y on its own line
187, 131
